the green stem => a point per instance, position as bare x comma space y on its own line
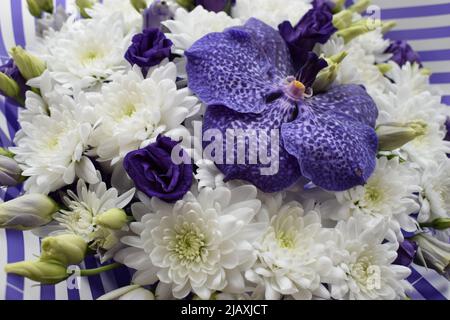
93, 272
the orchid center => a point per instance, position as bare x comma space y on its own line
296, 90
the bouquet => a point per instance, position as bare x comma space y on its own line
247, 149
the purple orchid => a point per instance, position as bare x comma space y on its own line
403, 53
316, 26
158, 12
246, 77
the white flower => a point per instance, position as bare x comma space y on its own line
409, 79
188, 27
84, 207
200, 244
131, 292
291, 254
86, 52
389, 193
133, 111
51, 148
107, 8
208, 175
435, 197
367, 262
272, 12
424, 109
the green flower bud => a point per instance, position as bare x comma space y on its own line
34, 8
392, 136
27, 212
6, 153
40, 271
139, 5
326, 76
45, 5
360, 6
439, 224
83, 5
425, 71
187, 4
8, 86
29, 65
342, 19
64, 249
338, 5
436, 253
131, 292
113, 219
384, 67
353, 31
387, 26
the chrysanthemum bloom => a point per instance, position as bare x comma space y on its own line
201, 243
245, 76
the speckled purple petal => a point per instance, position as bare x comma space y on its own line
238, 67
335, 151
349, 99
280, 111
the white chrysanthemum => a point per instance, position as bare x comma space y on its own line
272, 12
367, 262
291, 255
423, 109
188, 27
201, 244
408, 80
388, 193
435, 196
208, 175
86, 52
83, 208
107, 8
358, 67
51, 147
373, 43
133, 111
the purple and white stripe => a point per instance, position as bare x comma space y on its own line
432, 40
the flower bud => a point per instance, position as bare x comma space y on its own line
387, 26
139, 5
34, 8
27, 212
436, 253
6, 153
187, 4
64, 249
8, 86
338, 5
45, 5
112, 219
40, 271
326, 76
360, 6
10, 172
353, 31
29, 65
438, 224
384, 67
392, 136
83, 5
157, 12
131, 292
342, 19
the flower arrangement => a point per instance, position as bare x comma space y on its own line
246, 149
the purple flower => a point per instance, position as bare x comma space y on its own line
215, 5
402, 53
316, 26
406, 253
245, 77
154, 172
11, 70
158, 12
447, 126
148, 49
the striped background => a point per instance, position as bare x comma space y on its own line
426, 26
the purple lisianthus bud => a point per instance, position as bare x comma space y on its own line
402, 53
215, 5
148, 49
406, 253
158, 12
316, 26
156, 174
10, 69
